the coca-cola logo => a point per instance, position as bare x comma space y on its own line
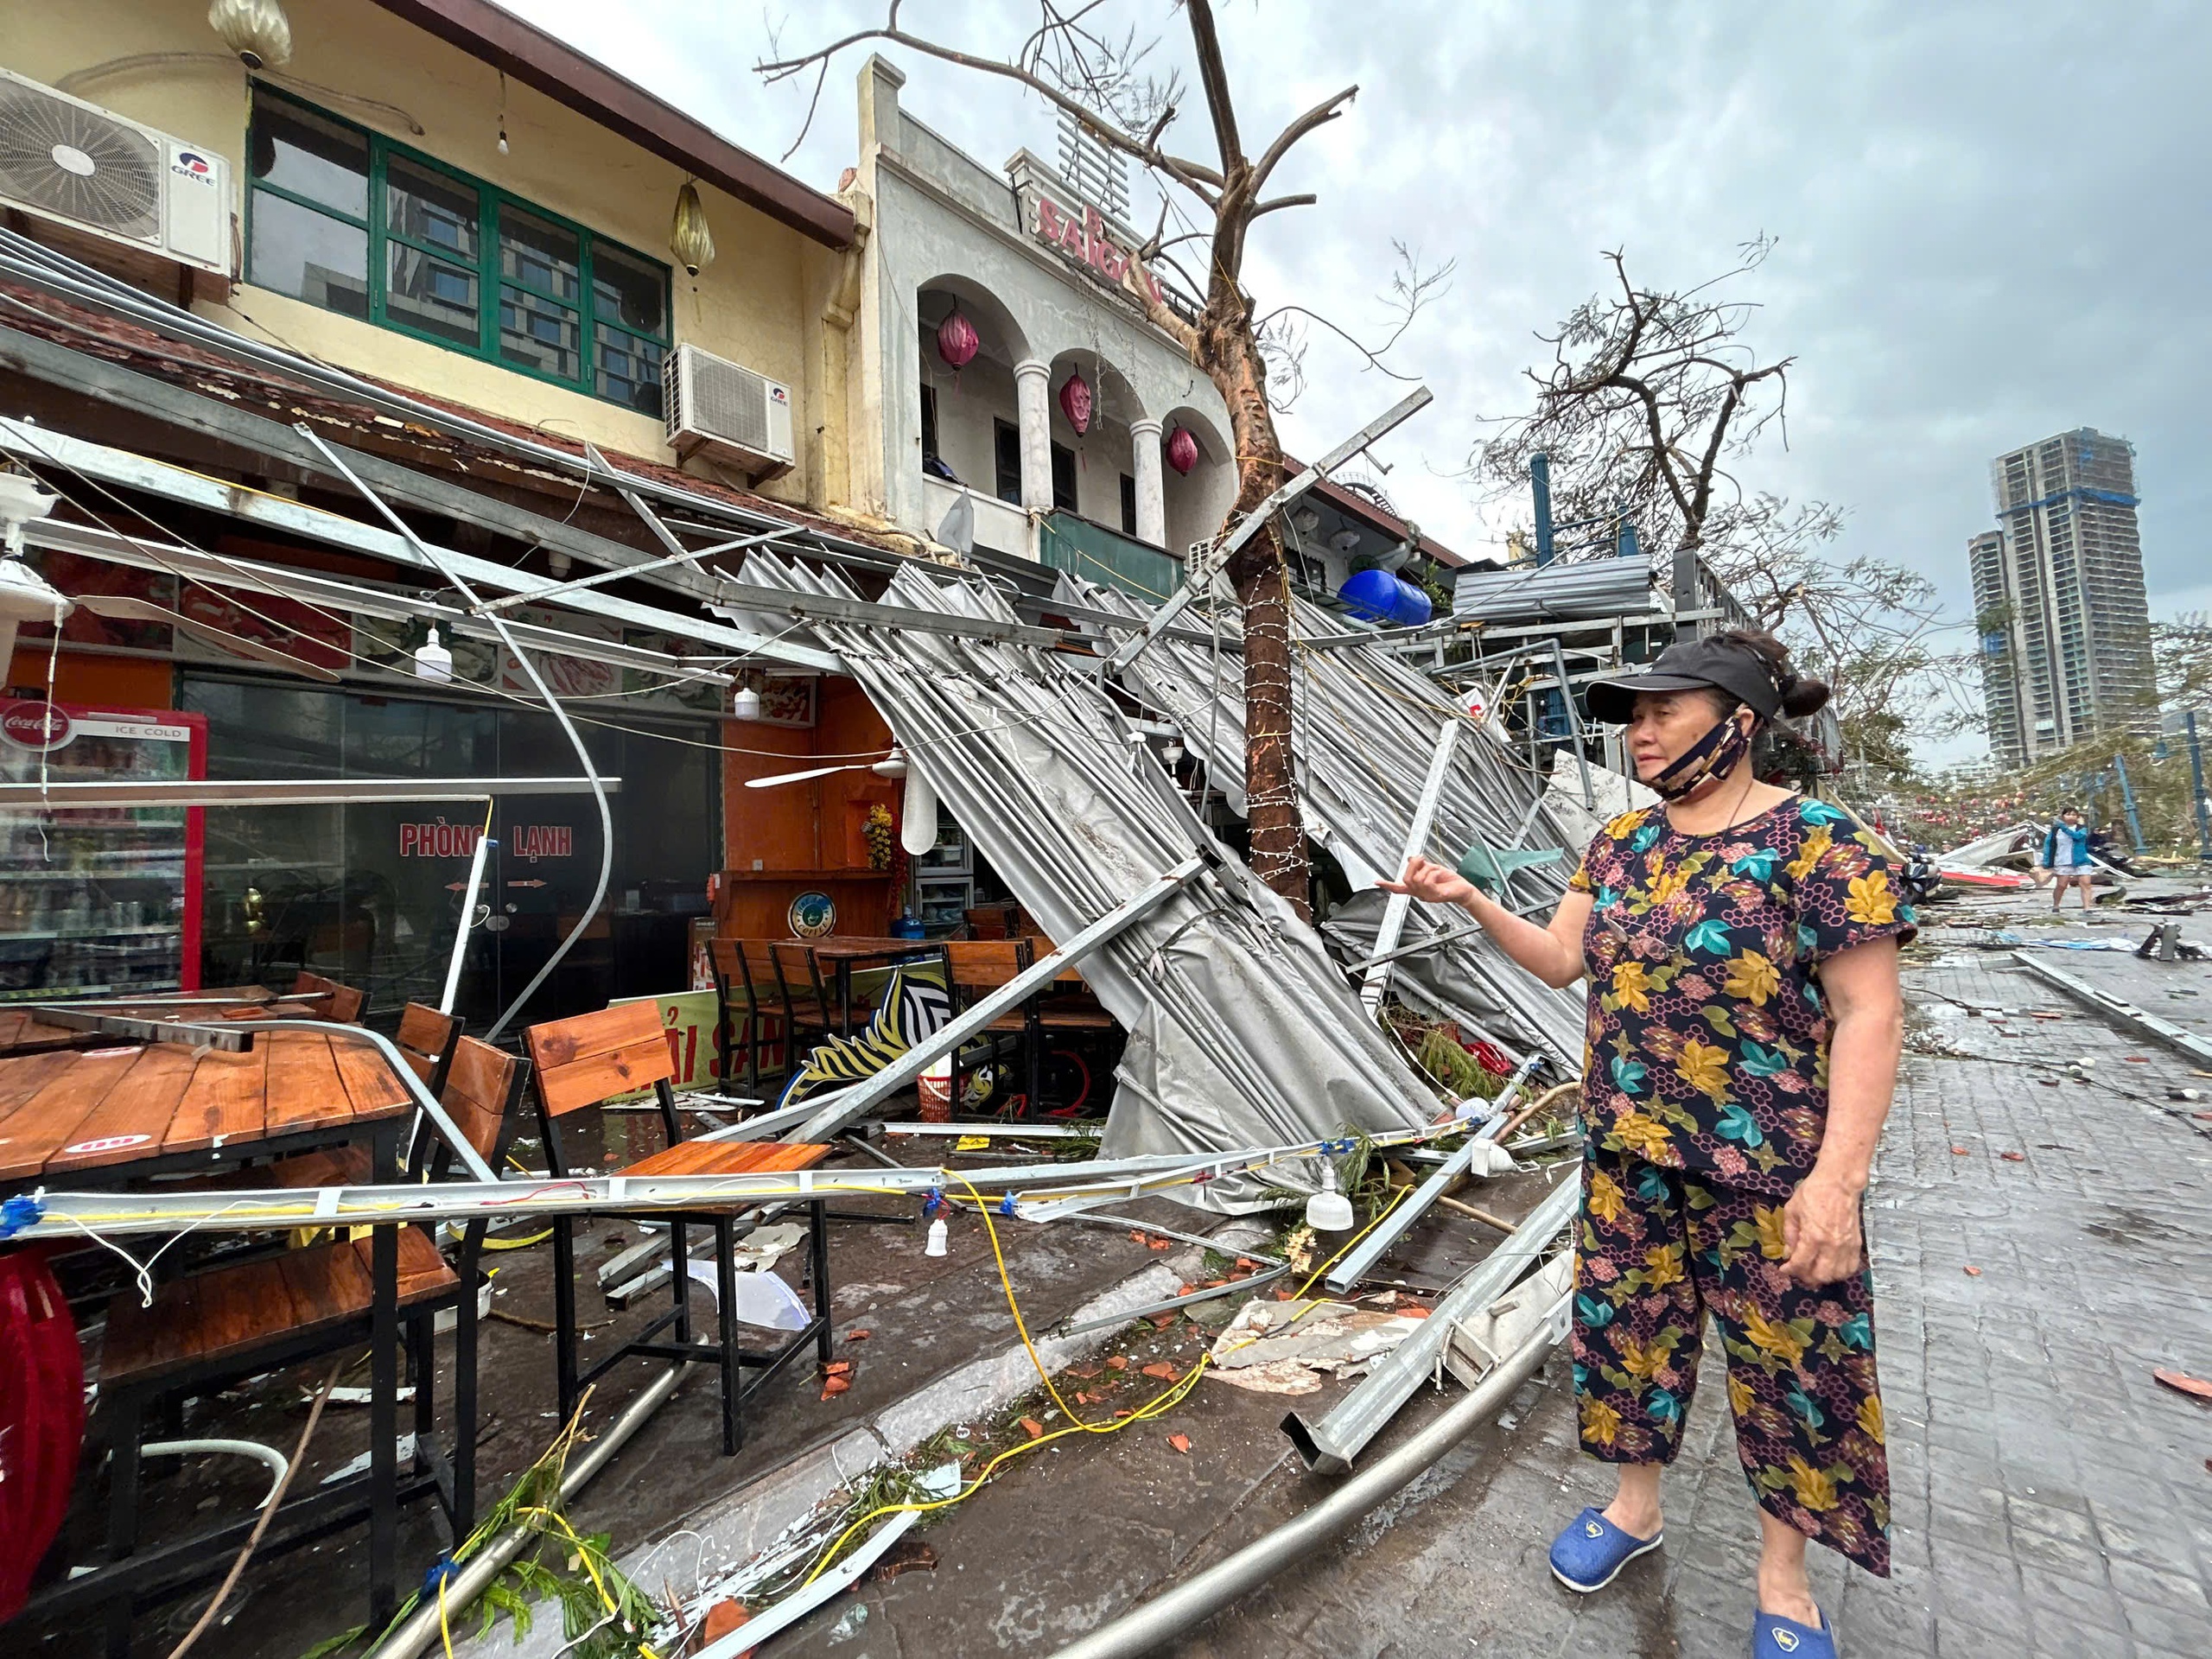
36, 726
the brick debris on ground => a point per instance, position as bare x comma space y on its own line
2051, 1498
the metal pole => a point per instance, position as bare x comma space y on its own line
1330, 1444
421, 1628
537, 682
1540, 486
1573, 724
1174, 1612
463, 1149
467, 919
834, 1118
1394, 913
2127, 803
1256, 520
1350, 1271
2197, 785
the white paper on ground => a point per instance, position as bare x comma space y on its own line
762, 1299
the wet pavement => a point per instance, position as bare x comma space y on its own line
2050, 1497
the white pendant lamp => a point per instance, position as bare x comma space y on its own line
918, 824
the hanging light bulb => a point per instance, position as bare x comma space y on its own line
688, 237
1328, 1211
257, 30
1172, 754
433, 662
746, 705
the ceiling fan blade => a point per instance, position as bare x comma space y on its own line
918, 824
126, 608
798, 777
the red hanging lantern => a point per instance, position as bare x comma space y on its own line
956, 340
1182, 450
1074, 401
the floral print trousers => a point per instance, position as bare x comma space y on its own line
1658, 1248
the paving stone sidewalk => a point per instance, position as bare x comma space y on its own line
2050, 1497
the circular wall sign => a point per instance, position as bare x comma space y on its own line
38, 727
813, 916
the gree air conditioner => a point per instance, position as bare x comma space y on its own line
77, 165
726, 412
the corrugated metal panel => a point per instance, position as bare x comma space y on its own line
1242, 1030
1594, 587
1365, 725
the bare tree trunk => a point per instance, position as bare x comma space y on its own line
1226, 354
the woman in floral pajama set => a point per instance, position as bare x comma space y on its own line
1740, 942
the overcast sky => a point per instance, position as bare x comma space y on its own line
1990, 216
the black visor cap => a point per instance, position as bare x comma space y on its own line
1691, 665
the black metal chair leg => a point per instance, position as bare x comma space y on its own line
564, 1314
384, 1420
819, 1227
679, 1257
123, 1412
726, 1323
464, 1412
422, 1371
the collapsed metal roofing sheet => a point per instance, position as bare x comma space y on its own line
1365, 727
1242, 1030
1586, 589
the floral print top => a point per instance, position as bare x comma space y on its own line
1707, 1045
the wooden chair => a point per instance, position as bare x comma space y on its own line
974, 969
581, 1064
341, 1004
206, 1329
747, 1006
803, 1009
808, 1006
426, 1040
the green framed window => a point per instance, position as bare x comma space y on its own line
344, 219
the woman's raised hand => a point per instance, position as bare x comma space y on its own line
1437, 884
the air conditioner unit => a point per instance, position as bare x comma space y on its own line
727, 412
78, 165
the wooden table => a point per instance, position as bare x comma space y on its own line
111, 1116
842, 951
22, 1031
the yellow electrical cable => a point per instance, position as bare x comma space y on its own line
1170, 1396
517, 1243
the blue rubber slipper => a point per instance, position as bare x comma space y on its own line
1590, 1553
1776, 1637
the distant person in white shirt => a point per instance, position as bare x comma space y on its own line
2066, 855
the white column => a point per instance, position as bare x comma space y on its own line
1152, 501
1033, 405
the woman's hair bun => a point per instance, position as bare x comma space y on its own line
1801, 695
